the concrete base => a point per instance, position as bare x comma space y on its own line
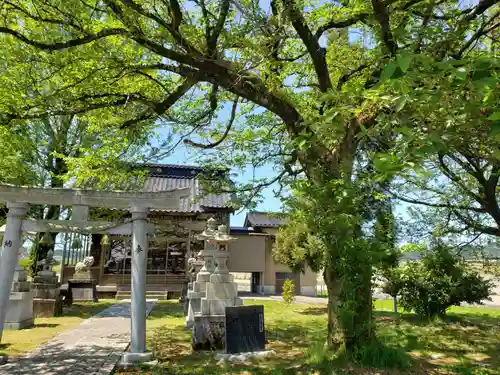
269, 289
218, 306
308, 291
19, 311
47, 308
28, 323
244, 357
131, 360
82, 290
194, 307
209, 333
45, 291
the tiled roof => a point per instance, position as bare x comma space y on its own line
164, 177
264, 219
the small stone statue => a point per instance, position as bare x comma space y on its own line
48, 262
84, 266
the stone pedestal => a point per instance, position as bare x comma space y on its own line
194, 297
20, 307
221, 292
215, 289
81, 289
208, 332
47, 301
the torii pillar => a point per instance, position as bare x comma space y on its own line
8, 260
138, 351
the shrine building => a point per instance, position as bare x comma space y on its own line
172, 245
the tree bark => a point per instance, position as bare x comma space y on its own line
350, 323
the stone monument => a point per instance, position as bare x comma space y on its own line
82, 287
220, 291
204, 259
47, 300
20, 306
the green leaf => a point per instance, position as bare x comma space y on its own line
495, 128
495, 116
400, 103
480, 74
388, 71
398, 73
404, 61
461, 73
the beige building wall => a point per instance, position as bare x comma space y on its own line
253, 253
247, 254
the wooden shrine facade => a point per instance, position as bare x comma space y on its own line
171, 243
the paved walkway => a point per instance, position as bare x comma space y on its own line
92, 348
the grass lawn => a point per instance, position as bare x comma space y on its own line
15, 343
468, 342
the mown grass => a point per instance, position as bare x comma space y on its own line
467, 342
16, 343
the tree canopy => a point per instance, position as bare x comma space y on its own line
343, 96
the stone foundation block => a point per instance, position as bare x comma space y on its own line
221, 278
20, 286
218, 307
222, 290
45, 291
208, 333
15, 326
47, 308
82, 290
19, 311
203, 278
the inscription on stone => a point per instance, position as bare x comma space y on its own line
245, 329
7, 243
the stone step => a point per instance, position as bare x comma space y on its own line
160, 295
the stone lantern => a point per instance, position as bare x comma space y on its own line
220, 292
197, 289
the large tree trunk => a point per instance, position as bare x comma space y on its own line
350, 323
53, 213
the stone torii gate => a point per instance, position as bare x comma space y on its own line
137, 203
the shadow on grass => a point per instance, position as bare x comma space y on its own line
164, 309
86, 310
314, 311
461, 343
46, 325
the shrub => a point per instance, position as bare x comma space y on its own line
25, 264
440, 280
288, 292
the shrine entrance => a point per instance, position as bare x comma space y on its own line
133, 233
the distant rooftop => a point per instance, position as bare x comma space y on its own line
259, 219
164, 177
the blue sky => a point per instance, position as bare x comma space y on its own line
270, 203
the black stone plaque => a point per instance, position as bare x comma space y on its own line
245, 329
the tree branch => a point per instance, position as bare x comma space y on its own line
226, 132
214, 36
344, 78
336, 24
439, 205
67, 44
382, 16
163, 106
318, 54
42, 19
453, 177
